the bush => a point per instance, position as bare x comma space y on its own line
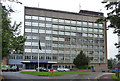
113, 71
84, 67
103, 71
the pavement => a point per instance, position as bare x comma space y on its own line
106, 77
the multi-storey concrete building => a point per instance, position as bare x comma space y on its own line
62, 36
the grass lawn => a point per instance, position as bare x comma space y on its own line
54, 73
115, 77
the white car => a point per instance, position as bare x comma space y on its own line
63, 69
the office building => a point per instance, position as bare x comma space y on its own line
62, 35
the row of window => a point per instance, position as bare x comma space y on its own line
62, 51
64, 45
15, 57
61, 58
66, 28
65, 21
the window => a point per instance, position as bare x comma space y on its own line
61, 58
35, 50
90, 47
61, 21
90, 52
67, 39
95, 25
42, 57
73, 22
67, 33
96, 58
90, 24
101, 31
78, 23
73, 34
85, 29
55, 26
90, 30
67, 27
28, 37
95, 35
41, 31
55, 32
55, 51
101, 36
27, 17
55, 20
48, 25
61, 39
27, 30
35, 17
27, 50
42, 18
101, 47
61, 27
48, 38
84, 23
61, 33
34, 43
34, 24
84, 34
28, 43
42, 24
79, 34
96, 53
48, 19
55, 39
73, 28
101, 53
79, 29
90, 35
48, 31
67, 22
54, 57
34, 30
61, 51
100, 25
85, 47
34, 37
95, 30
28, 23
95, 47
67, 58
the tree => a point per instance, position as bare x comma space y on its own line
11, 38
111, 63
81, 60
114, 18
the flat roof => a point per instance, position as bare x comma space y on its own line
79, 13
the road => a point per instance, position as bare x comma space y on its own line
71, 77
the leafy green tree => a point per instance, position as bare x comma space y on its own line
81, 60
114, 18
11, 38
112, 62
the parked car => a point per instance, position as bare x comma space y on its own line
42, 69
14, 68
5, 68
63, 69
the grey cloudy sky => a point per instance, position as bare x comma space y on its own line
65, 5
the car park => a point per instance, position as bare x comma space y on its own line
63, 69
42, 69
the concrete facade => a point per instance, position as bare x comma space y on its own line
63, 35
